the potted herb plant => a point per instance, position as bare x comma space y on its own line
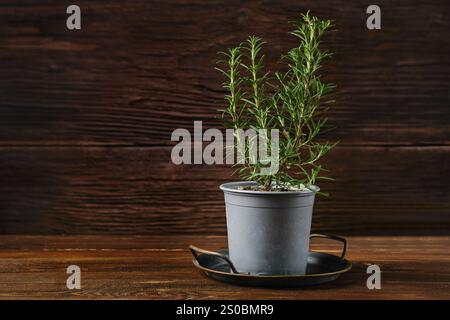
269, 215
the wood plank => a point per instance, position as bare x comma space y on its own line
136, 72
101, 190
160, 268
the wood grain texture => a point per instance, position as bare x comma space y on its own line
137, 71
34, 267
86, 116
90, 190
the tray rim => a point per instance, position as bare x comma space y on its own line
276, 276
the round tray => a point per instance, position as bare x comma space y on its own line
322, 268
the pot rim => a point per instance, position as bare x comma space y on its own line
232, 188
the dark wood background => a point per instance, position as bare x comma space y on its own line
86, 116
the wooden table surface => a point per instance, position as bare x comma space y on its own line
146, 267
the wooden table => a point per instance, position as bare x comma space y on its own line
156, 267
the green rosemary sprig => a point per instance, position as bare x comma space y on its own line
291, 101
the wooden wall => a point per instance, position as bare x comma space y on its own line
86, 116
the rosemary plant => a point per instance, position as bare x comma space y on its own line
291, 101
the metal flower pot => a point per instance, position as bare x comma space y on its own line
268, 232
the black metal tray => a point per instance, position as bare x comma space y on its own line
322, 268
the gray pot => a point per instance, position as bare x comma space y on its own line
268, 232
